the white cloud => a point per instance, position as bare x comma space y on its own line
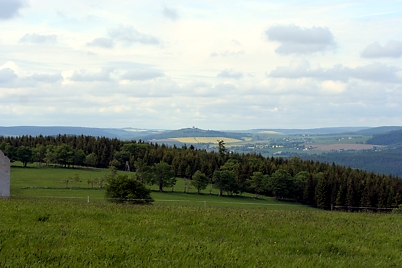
297, 40
215, 67
230, 73
392, 49
372, 72
7, 75
39, 38
142, 74
170, 13
130, 35
101, 42
46, 78
228, 53
10, 79
333, 87
84, 76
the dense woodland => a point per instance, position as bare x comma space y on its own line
389, 138
385, 161
305, 181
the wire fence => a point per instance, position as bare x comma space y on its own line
205, 203
360, 209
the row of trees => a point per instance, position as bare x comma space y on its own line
51, 154
309, 182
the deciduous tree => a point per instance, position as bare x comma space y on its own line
199, 181
122, 189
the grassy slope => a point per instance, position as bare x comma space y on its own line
48, 182
47, 233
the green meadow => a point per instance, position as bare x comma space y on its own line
45, 224
48, 182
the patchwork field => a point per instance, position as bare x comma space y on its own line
342, 146
213, 140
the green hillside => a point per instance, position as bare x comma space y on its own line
390, 138
195, 132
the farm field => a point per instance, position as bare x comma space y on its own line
213, 140
342, 146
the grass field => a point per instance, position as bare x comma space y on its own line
45, 224
48, 233
47, 182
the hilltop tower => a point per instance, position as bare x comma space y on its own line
4, 175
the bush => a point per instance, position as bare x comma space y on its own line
122, 189
397, 210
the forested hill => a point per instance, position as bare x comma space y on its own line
378, 130
195, 132
387, 161
389, 138
55, 130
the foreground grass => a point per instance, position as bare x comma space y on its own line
49, 233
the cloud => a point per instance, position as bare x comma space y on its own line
46, 78
227, 53
301, 68
170, 13
101, 42
393, 49
378, 72
229, 73
7, 75
83, 76
142, 74
10, 8
10, 79
296, 40
38, 38
130, 35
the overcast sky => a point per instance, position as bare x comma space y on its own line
210, 64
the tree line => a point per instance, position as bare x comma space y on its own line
306, 181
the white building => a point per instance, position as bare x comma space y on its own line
4, 175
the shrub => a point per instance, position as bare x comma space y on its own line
122, 189
397, 210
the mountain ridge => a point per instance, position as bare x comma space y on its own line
150, 134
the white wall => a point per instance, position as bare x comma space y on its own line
4, 175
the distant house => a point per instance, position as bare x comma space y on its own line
4, 175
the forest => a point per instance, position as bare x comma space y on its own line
386, 161
309, 182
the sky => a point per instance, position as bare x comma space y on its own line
224, 65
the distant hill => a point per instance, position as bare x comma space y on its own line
383, 161
378, 130
124, 134
389, 138
152, 134
312, 131
195, 132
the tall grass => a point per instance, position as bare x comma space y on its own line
180, 229
48, 233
